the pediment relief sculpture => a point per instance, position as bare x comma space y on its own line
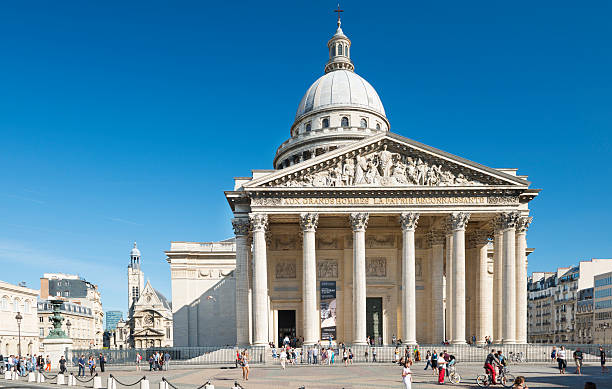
383, 167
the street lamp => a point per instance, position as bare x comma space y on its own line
18, 318
68, 324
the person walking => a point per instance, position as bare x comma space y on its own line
553, 354
350, 356
81, 363
407, 374
138, 361
428, 358
345, 357
561, 360
283, 358
373, 354
434, 362
62, 365
578, 361
245, 365
48, 364
166, 360
92, 366
602, 360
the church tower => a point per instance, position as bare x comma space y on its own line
135, 279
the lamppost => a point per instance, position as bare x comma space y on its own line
18, 318
68, 324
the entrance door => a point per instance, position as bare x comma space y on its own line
286, 325
374, 322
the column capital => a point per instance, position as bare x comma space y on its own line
359, 221
241, 226
309, 221
259, 221
522, 224
507, 220
436, 237
457, 221
409, 220
478, 238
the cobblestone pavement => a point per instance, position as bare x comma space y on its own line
357, 376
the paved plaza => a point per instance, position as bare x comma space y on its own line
357, 376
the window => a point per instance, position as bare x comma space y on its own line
339, 49
15, 305
364, 123
344, 122
167, 332
308, 127
325, 123
41, 332
378, 126
41, 319
333, 53
26, 307
4, 304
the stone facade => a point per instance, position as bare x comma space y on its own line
82, 329
18, 299
602, 308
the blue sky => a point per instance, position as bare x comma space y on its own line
125, 121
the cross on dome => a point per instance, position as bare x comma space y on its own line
339, 49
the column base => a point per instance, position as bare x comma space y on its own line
261, 344
458, 342
481, 342
509, 341
360, 343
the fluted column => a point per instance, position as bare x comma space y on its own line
436, 240
449, 282
359, 223
509, 277
458, 222
408, 221
241, 230
497, 279
308, 222
522, 225
259, 223
484, 302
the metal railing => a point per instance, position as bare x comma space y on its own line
178, 355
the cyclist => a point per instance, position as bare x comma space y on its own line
490, 364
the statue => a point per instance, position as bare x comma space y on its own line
57, 319
385, 158
348, 172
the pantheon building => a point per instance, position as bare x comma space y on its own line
359, 233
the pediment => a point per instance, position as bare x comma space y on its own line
148, 297
387, 160
148, 332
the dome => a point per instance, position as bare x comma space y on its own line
135, 252
340, 88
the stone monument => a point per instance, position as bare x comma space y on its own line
56, 343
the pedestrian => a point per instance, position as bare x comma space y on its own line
519, 383
561, 360
81, 363
138, 360
166, 360
602, 360
350, 356
151, 361
315, 355
283, 358
578, 361
102, 360
365, 354
441, 368
245, 365
309, 353
48, 363
428, 358
373, 354
345, 357
434, 362
553, 354
62, 364
407, 374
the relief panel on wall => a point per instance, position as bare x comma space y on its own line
285, 270
376, 267
327, 268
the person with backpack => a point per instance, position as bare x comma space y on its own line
578, 361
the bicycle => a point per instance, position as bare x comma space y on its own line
453, 376
504, 378
516, 357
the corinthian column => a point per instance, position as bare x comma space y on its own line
408, 221
259, 223
484, 303
359, 223
522, 225
458, 222
436, 240
241, 230
308, 222
509, 278
449, 282
498, 268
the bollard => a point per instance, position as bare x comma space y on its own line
110, 383
31, 377
97, 382
163, 384
8, 375
15, 376
40, 378
60, 379
71, 380
209, 386
144, 384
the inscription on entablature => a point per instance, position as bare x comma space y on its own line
376, 267
380, 241
327, 268
285, 270
385, 201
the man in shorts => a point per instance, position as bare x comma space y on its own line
578, 360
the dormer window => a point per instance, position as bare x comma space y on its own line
378, 126
344, 122
364, 123
308, 126
325, 123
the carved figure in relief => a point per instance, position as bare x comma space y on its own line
285, 270
376, 267
386, 162
373, 242
348, 172
372, 175
327, 242
360, 169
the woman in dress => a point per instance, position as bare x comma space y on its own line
407, 374
245, 365
434, 362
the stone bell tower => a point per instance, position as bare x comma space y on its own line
135, 279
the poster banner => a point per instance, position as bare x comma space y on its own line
328, 310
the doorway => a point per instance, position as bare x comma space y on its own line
286, 325
374, 319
